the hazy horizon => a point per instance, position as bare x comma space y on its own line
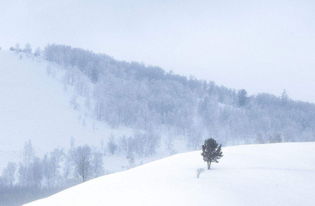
261, 46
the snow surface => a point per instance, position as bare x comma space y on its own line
35, 105
270, 174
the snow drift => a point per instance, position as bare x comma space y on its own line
270, 174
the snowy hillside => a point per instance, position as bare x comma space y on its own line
270, 174
36, 104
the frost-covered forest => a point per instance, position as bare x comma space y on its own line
168, 113
150, 99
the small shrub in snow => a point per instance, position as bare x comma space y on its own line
199, 171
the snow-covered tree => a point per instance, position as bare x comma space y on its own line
81, 157
8, 174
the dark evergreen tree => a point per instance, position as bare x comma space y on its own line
211, 151
242, 97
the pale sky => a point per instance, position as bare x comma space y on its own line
261, 46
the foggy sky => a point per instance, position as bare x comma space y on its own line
262, 46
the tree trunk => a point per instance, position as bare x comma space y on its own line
209, 164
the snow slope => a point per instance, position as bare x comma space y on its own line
270, 174
35, 105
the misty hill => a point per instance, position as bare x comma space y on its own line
66, 93
128, 114
165, 104
271, 174
36, 105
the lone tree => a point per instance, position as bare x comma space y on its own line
211, 151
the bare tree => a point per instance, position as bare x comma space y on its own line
8, 173
28, 153
97, 168
82, 161
51, 167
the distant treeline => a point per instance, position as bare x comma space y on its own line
38, 176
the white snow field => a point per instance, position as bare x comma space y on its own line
249, 175
35, 104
